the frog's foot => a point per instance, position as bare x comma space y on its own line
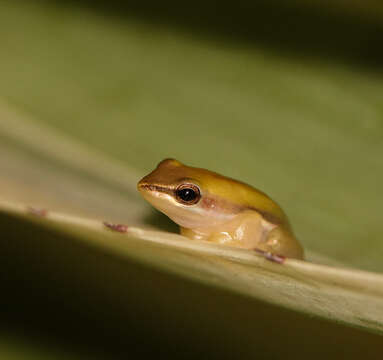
280, 259
116, 227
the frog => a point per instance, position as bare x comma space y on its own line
211, 207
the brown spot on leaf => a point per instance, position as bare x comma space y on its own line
116, 227
37, 212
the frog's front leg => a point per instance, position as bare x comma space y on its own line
193, 234
246, 230
214, 235
211, 235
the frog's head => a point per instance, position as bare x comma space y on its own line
191, 197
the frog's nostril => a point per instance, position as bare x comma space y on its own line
143, 186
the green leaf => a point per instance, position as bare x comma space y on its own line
65, 246
90, 103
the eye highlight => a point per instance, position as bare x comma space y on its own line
188, 194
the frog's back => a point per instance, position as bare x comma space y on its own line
245, 196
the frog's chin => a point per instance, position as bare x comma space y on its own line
187, 216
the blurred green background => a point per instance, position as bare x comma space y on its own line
287, 96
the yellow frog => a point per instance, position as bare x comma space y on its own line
212, 207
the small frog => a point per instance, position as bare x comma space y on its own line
212, 207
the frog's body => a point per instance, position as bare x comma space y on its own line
209, 206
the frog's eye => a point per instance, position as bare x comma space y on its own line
188, 194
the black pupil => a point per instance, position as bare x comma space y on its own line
187, 194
